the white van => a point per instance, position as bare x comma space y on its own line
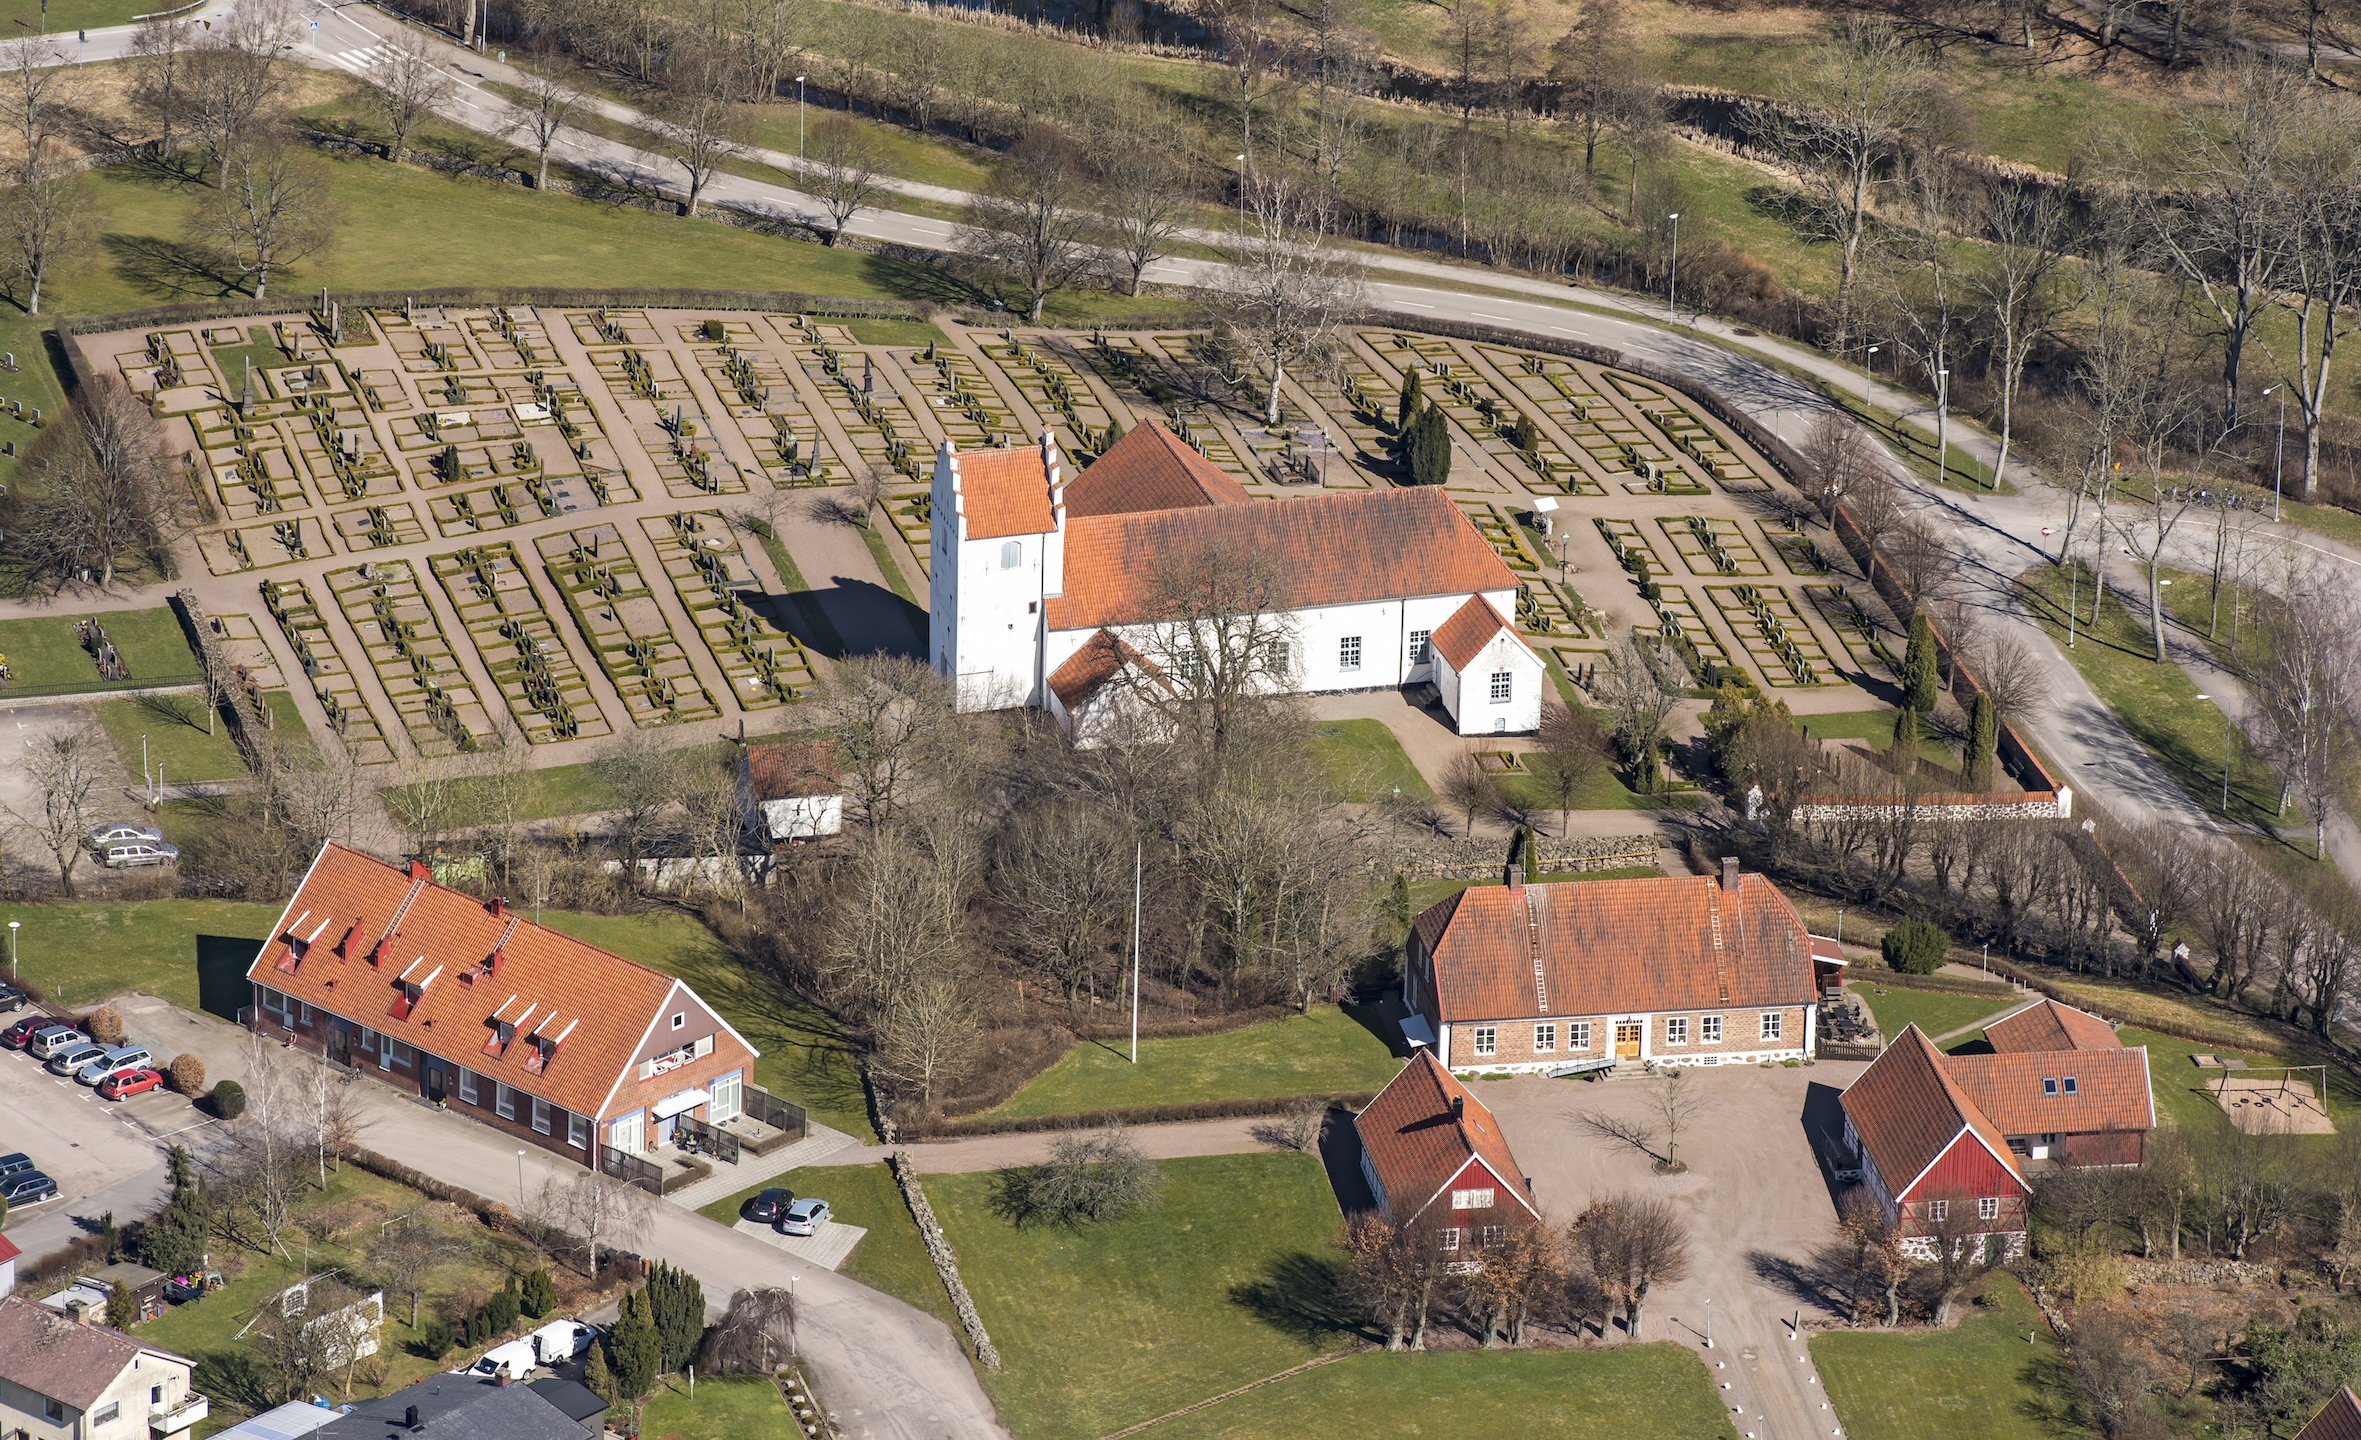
561, 1340
515, 1359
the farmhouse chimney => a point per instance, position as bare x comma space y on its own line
1458, 1106
1516, 876
498, 906
1730, 874
410, 1417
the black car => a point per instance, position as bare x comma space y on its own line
12, 998
27, 1186
766, 1208
15, 1164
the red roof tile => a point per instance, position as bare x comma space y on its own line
782, 769
1462, 637
1150, 469
2051, 1026
1003, 492
1418, 1146
8, 1250
1333, 549
1907, 1110
597, 1007
1671, 943
51, 1355
1097, 662
2339, 1419
2111, 1090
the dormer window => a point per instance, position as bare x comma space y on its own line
2049, 1087
545, 1045
504, 1029
411, 988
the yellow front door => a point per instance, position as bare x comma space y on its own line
1627, 1041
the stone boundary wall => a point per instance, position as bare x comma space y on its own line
1458, 857
938, 1249
2006, 805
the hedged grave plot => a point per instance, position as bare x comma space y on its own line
700, 555
1398, 346
1680, 621
512, 338
1501, 533
1866, 644
256, 473
544, 689
1541, 610
913, 513
384, 391
377, 527
594, 328
1795, 548
625, 626
290, 603
1710, 546
758, 394
432, 350
415, 662
1631, 548
173, 371
966, 407
633, 374
265, 544
885, 435
735, 330
1777, 638
1127, 365
1048, 382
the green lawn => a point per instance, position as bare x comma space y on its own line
1366, 763
1872, 725
1232, 1278
740, 1408
2157, 703
46, 654
1930, 1011
574, 789
1658, 1390
1979, 1380
891, 1257
174, 728
193, 953
1325, 1052
60, 19
806, 1056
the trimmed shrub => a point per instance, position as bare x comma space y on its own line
229, 1099
1916, 946
434, 1339
187, 1074
540, 1296
105, 1025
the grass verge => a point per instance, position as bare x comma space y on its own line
45, 653
1321, 1053
1978, 1379
1366, 763
173, 729
1933, 1013
814, 628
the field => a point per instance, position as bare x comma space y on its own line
740, 1408
1229, 1280
1976, 1381
1366, 763
1933, 1013
1659, 1391
45, 654
174, 728
891, 1257
1326, 1052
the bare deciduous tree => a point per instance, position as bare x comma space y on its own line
2030, 236
603, 1213
892, 723
1873, 1254
1033, 219
1569, 752
65, 768
272, 210
1067, 876
1633, 1243
701, 122
544, 111
405, 83
1511, 1277
925, 1036
1090, 1176
235, 73
1287, 288
404, 1256
847, 170
1145, 203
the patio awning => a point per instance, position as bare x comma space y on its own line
1417, 1031
672, 1105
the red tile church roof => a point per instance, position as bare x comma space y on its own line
1150, 469
1004, 492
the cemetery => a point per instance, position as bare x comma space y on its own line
462, 521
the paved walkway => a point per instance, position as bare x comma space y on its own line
998, 1152
752, 1169
826, 1249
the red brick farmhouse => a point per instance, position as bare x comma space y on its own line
476, 1008
1935, 1131
1673, 971
1434, 1157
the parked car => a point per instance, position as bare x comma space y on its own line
21, 1034
50, 1038
115, 1061
15, 1164
102, 836
73, 1057
515, 1360
766, 1208
562, 1340
26, 1187
805, 1217
124, 1084
131, 854
12, 998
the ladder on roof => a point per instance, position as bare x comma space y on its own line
509, 933
1721, 974
393, 927
1533, 941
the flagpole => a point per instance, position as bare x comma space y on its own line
1139, 849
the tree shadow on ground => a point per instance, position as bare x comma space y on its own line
1819, 1279
237, 1376
1300, 1294
170, 269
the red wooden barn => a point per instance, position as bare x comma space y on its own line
1435, 1157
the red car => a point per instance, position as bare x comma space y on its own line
128, 1084
15, 1036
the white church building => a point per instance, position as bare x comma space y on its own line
1042, 580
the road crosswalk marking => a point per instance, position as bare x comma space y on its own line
360, 60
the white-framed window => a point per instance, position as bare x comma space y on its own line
106, 1414
1448, 1238
1676, 1030
1770, 1024
578, 1131
1012, 554
722, 1098
1988, 1208
1495, 1235
467, 1090
680, 1021
2069, 1084
1348, 653
1474, 1199
1709, 1029
504, 1100
1938, 1211
1578, 1035
1487, 1040
1418, 646
2049, 1086
307, 1012
540, 1115
1545, 1039
1504, 685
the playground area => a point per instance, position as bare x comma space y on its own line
2279, 1101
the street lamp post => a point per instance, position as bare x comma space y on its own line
2278, 449
792, 1306
799, 117
1672, 273
12, 929
1840, 926
2225, 754
520, 1183
1942, 425
1241, 203
1868, 375
1709, 1322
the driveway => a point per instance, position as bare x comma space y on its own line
1758, 1209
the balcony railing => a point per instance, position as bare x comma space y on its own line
180, 1417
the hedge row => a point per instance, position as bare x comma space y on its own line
1945, 984
1132, 1115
